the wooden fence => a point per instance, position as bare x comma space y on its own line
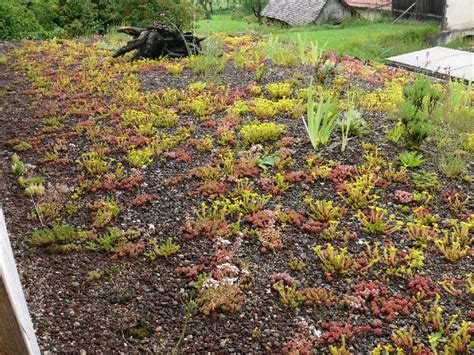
423, 9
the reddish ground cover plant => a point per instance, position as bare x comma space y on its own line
268, 245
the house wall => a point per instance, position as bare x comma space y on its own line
459, 14
371, 14
333, 10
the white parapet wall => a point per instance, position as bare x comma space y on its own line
459, 15
17, 336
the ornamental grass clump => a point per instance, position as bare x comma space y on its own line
320, 123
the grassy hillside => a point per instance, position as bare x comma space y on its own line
374, 41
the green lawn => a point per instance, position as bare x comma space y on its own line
374, 41
224, 24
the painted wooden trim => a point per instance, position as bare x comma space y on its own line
17, 335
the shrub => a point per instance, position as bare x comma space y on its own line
422, 94
78, 17
420, 100
144, 13
416, 122
63, 18
17, 21
261, 132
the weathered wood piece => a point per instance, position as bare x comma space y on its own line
16, 330
159, 41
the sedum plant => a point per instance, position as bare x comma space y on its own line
140, 157
289, 296
260, 132
323, 211
279, 90
334, 261
320, 123
18, 167
165, 249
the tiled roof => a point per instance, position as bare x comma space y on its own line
294, 12
370, 4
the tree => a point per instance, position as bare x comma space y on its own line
206, 5
255, 7
179, 13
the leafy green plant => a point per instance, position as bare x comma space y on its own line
342, 350
57, 234
34, 189
249, 202
268, 161
108, 241
396, 133
410, 159
295, 263
358, 193
320, 124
